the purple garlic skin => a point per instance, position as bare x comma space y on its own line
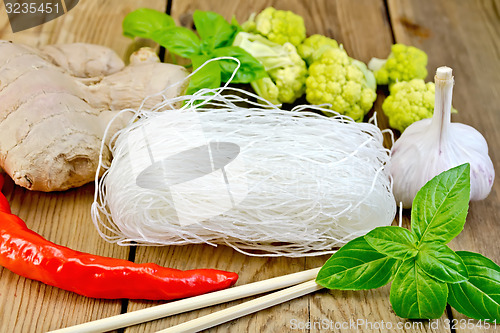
430, 146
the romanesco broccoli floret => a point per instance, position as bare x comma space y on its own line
403, 64
279, 26
266, 88
286, 69
409, 102
313, 46
340, 81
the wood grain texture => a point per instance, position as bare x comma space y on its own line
464, 36
91, 21
361, 311
353, 24
64, 218
251, 269
363, 28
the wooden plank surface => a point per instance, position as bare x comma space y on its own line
461, 34
464, 35
251, 269
352, 24
64, 218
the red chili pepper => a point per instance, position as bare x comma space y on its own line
28, 254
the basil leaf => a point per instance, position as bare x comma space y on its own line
479, 297
442, 263
236, 26
178, 40
415, 295
440, 207
356, 266
395, 242
143, 22
213, 29
207, 77
250, 69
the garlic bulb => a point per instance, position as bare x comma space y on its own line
430, 146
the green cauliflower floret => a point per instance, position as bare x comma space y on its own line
343, 82
409, 102
279, 26
286, 69
403, 64
267, 89
313, 46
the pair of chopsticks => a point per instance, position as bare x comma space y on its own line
296, 285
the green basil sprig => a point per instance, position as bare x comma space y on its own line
425, 273
214, 39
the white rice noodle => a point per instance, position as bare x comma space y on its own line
301, 183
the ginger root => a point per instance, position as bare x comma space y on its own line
55, 103
84, 60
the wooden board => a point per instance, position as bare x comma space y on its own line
465, 38
64, 218
460, 34
352, 24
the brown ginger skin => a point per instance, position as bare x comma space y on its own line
83, 60
54, 107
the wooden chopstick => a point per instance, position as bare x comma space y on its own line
244, 309
192, 303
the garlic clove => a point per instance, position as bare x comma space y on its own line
411, 166
474, 150
430, 146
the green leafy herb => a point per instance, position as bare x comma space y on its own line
249, 66
213, 29
478, 297
394, 242
207, 77
442, 263
414, 295
357, 266
214, 39
178, 40
425, 272
439, 210
144, 21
